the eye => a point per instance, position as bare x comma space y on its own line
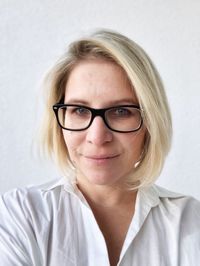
120, 111
79, 110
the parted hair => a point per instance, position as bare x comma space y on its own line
146, 83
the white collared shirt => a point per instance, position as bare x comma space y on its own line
52, 225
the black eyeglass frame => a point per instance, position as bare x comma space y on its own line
96, 112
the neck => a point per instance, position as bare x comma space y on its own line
107, 196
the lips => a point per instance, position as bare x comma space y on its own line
100, 160
100, 157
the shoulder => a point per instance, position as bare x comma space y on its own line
27, 194
178, 200
29, 200
26, 221
180, 214
179, 210
171, 208
169, 203
38, 204
19, 205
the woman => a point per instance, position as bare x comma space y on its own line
110, 132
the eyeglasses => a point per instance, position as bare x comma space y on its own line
122, 118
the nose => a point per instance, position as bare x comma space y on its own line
98, 133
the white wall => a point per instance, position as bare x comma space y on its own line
33, 33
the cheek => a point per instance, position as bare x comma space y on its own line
72, 141
135, 144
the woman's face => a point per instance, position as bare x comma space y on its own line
101, 156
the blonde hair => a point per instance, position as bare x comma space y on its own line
147, 86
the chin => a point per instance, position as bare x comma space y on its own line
102, 180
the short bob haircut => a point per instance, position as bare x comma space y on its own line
146, 83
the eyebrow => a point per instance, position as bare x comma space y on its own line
109, 103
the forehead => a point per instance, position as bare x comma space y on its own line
98, 82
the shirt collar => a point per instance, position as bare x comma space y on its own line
150, 195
